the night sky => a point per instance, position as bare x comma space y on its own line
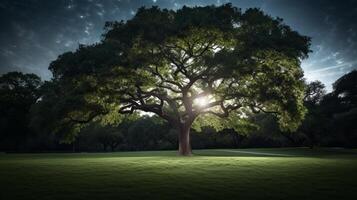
35, 32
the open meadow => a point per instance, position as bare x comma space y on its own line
288, 173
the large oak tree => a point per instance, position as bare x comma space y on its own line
192, 67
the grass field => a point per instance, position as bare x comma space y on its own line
210, 174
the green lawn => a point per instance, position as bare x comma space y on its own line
210, 174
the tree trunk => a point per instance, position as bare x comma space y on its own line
184, 141
104, 147
73, 147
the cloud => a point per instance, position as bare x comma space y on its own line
340, 65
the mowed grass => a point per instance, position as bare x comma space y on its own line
210, 174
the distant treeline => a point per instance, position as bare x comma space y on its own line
331, 120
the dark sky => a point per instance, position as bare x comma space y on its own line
35, 32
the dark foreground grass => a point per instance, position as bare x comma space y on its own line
209, 174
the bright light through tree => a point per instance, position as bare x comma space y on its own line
201, 101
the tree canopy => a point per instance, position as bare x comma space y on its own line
18, 92
193, 66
